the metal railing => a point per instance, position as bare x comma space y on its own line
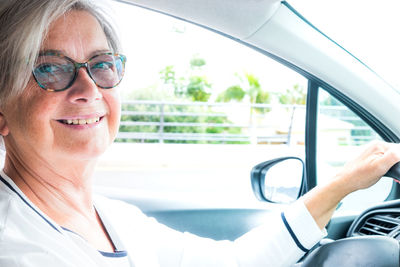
193, 122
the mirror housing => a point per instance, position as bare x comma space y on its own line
278, 180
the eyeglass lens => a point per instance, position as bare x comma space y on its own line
58, 73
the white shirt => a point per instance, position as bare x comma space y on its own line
28, 238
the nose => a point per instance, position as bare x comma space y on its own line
84, 89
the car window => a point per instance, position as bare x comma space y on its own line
340, 135
199, 110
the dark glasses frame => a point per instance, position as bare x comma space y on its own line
77, 66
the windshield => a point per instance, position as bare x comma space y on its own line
367, 29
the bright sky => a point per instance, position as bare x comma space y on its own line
369, 29
366, 28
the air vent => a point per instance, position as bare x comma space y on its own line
378, 225
394, 215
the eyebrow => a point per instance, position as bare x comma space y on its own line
62, 52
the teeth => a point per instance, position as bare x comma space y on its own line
81, 121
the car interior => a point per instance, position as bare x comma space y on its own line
275, 30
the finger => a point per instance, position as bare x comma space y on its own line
391, 156
380, 146
373, 147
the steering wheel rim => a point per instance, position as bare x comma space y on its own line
377, 251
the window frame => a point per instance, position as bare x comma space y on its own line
311, 129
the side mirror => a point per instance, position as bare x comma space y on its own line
278, 180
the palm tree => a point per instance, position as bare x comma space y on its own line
251, 88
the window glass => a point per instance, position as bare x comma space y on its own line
340, 136
199, 110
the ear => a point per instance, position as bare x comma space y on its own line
3, 125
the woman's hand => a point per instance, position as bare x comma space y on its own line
360, 173
366, 170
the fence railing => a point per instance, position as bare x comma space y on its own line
198, 122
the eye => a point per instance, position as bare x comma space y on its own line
103, 65
50, 74
47, 68
53, 69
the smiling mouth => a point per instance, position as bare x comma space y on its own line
81, 121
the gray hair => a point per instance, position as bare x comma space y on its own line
23, 26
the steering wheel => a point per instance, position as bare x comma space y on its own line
377, 251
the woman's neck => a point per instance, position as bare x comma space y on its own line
61, 192
64, 195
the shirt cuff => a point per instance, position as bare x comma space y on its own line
302, 226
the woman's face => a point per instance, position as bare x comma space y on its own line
36, 123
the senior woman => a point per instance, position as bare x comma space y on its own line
60, 65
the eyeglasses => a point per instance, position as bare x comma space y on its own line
55, 72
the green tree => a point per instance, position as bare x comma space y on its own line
196, 89
249, 86
296, 95
194, 86
197, 62
234, 92
168, 77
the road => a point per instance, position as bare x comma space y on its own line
211, 170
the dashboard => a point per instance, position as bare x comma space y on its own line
382, 220
372, 240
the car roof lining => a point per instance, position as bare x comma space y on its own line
239, 18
